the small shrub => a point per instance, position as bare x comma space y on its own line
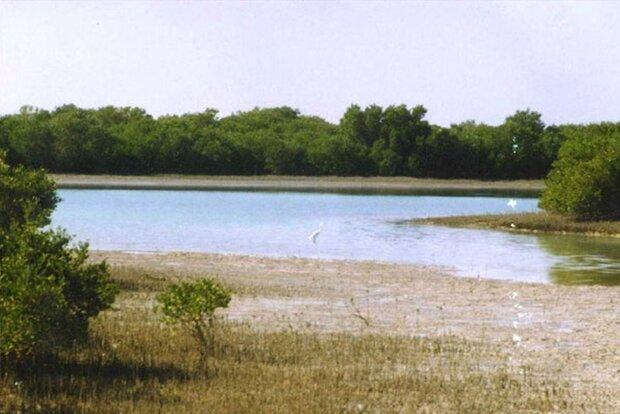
585, 179
193, 305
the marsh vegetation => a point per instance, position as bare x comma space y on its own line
133, 363
528, 222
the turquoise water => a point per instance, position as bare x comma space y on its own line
359, 227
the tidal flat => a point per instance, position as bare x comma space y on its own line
540, 222
309, 335
379, 185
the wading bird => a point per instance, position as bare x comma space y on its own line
512, 203
315, 234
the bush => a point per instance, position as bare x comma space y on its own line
25, 196
585, 179
48, 291
193, 306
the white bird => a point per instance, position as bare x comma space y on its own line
516, 338
513, 226
513, 295
512, 203
315, 234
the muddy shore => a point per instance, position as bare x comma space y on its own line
380, 185
570, 333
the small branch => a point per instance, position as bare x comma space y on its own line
358, 314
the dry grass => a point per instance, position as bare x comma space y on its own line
528, 222
152, 370
135, 364
389, 185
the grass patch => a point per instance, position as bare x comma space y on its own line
528, 222
133, 363
152, 280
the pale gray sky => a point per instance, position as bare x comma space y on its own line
461, 60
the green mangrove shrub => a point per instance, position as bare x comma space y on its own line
48, 290
192, 305
392, 140
26, 196
585, 179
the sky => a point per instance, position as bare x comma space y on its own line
461, 60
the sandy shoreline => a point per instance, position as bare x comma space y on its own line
386, 185
569, 333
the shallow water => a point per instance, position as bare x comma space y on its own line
360, 227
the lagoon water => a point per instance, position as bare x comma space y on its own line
359, 227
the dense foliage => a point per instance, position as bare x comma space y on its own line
585, 180
395, 140
47, 289
25, 197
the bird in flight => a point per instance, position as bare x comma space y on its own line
315, 234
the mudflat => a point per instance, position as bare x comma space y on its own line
563, 333
539, 222
389, 185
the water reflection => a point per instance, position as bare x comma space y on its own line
584, 260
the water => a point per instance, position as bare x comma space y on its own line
360, 227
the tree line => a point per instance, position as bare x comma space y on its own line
391, 141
